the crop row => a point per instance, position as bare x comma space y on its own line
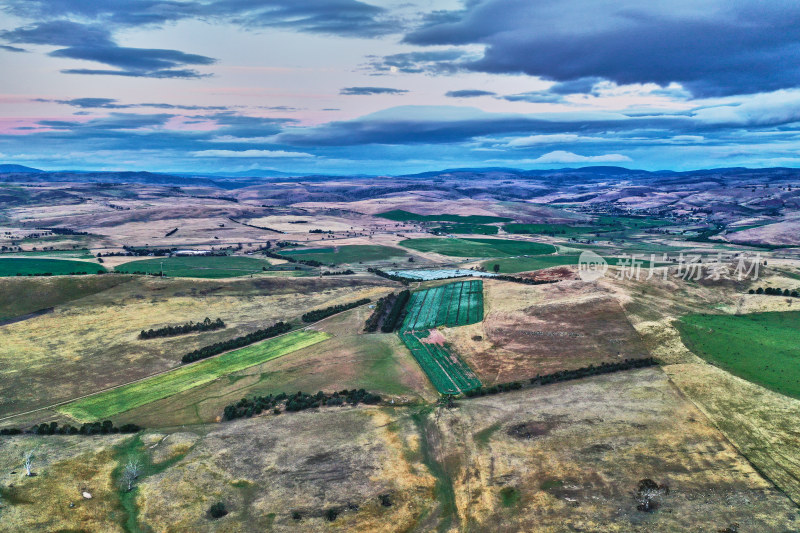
448, 373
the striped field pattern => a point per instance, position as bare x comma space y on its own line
454, 304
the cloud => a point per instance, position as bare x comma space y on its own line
94, 43
468, 93
338, 17
430, 62
534, 97
361, 91
711, 48
112, 103
560, 156
8, 48
250, 153
114, 121
533, 140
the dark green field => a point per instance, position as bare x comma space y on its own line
197, 267
478, 247
759, 347
23, 266
454, 304
353, 253
467, 229
399, 215
551, 229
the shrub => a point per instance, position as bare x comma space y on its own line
217, 510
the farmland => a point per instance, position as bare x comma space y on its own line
197, 267
23, 266
758, 347
513, 265
400, 215
478, 247
354, 253
467, 229
454, 304
127, 397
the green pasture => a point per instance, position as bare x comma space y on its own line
759, 347
23, 266
350, 253
197, 266
106, 404
477, 247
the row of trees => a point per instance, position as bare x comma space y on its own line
189, 327
319, 314
347, 272
397, 313
105, 427
238, 342
383, 274
308, 262
526, 281
372, 323
565, 375
300, 401
51, 274
775, 292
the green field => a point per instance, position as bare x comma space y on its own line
81, 253
513, 265
351, 253
603, 224
551, 229
759, 347
467, 229
478, 247
197, 267
22, 266
119, 400
454, 304
399, 215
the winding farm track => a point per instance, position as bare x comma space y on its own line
64, 402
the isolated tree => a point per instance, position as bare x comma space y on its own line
496, 268
131, 473
28, 458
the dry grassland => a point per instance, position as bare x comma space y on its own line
92, 343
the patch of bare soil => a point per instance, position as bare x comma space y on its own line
435, 337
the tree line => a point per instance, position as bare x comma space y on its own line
308, 262
525, 281
347, 272
300, 401
189, 327
105, 427
388, 313
566, 375
319, 314
383, 274
51, 274
237, 342
775, 292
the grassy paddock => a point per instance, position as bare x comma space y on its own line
197, 267
759, 347
352, 253
115, 401
526, 264
478, 247
22, 266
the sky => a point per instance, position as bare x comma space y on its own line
391, 87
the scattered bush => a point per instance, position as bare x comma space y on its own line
217, 510
775, 292
525, 281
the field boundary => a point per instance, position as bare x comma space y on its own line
64, 402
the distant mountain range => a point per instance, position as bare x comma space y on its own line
239, 179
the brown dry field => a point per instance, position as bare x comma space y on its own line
92, 343
567, 457
539, 329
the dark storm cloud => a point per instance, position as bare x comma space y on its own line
712, 48
94, 43
338, 17
362, 91
468, 93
